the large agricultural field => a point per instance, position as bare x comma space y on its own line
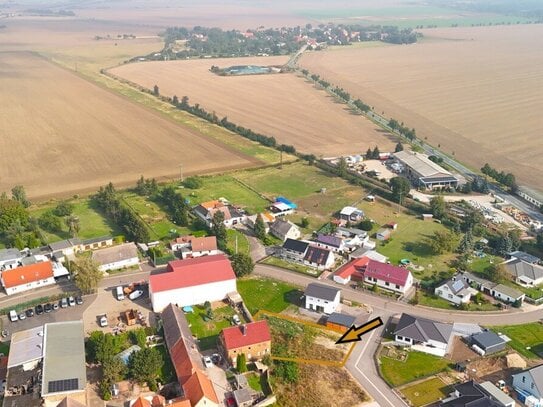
65, 135
282, 105
476, 92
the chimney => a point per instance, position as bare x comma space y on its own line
243, 329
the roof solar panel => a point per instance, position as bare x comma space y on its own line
458, 285
56, 386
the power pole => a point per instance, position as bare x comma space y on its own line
236, 243
181, 171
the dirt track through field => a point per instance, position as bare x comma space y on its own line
478, 92
60, 134
281, 105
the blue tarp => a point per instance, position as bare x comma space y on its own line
188, 309
286, 202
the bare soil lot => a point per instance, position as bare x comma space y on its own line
282, 105
477, 92
64, 135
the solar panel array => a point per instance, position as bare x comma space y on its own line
458, 285
56, 386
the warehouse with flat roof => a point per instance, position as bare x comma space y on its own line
423, 172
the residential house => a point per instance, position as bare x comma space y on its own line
187, 361
67, 247
423, 334
284, 229
319, 258
252, 339
383, 234
330, 242
192, 281
294, 250
526, 257
499, 291
350, 214
354, 270
267, 217
68, 402
340, 322
487, 342
387, 276
116, 257
370, 253
472, 394
10, 258
206, 211
243, 397
529, 386
190, 246
525, 273
456, 290
352, 238
95, 243
28, 277
322, 298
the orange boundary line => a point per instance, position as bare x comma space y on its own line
331, 363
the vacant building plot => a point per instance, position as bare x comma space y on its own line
61, 134
476, 92
281, 105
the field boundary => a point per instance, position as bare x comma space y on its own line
329, 363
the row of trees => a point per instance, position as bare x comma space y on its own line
405, 131
175, 204
507, 179
132, 226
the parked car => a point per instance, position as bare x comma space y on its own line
207, 361
29, 312
78, 300
13, 316
39, 309
55, 306
48, 308
102, 320
135, 294
216, 358
22, 316
71, 301
119, 293
236, 320
63, 302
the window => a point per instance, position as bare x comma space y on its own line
450, 296
439, 292
532, 386
523, 379
400, 338
387, 283
397, 286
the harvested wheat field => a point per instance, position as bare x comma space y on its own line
281, 105
61, 134
476, 91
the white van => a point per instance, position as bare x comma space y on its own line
13, 316
120, 293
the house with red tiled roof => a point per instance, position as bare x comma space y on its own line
191, 246
28, 277
206, 210
199, 390
252, 339
192, 281
352, 271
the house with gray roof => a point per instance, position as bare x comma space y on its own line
487, 342
456, 290
529, 385
527, 257
319, 258
524, 273
330, 242
322, 298
116, 257
472, 394
284, 229
423, 334
9, 258
501, 292
294, 250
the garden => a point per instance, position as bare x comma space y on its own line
267, 294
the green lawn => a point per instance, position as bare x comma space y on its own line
525, 336
266, 294
4, 348
93, 223
208, 331
225, 186
416, 366
299, 268
438, 302
242, 241
426, 392
167, 372
254, 381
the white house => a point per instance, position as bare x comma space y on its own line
350, 214
192, 281
294, 250
267, 217
28, 277
423, 334
284, 229
322, 298
456, 290
9, 258
190, 246
319, 258
206, 211
529, 385
116, 257
330, 242
524, 273
387, 276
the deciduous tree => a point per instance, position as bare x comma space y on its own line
242, 264
87, 275
260, 227
438, 207
400, 188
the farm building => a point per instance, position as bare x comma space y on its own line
95, 243
423, 334
192, 281
322, 298
340, 322
282, 206
383, 234
423, 172
284, 229
487, 342
116, 257
28, 277
252, 339
534, 197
